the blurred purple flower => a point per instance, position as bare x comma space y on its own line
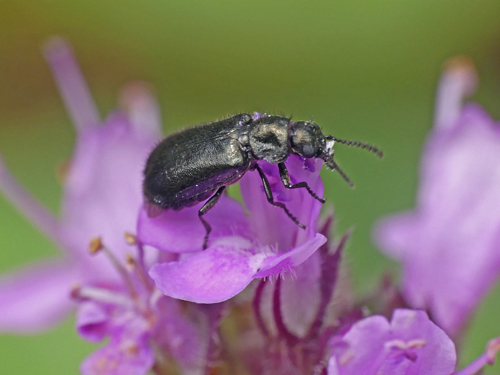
241, 247
450, 244
101, 197
145, 328
410, 344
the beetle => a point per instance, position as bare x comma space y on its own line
197, 163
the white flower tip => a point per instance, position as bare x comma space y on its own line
492, 348
137, 94
138, 100
463, 69
458, 81
56, 49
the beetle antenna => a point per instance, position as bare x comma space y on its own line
335, 167
365, 146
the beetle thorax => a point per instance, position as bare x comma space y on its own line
269, 139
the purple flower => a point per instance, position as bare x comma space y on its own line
410, 344
144, 327
241, 247
450, 244
101, 197
292, 313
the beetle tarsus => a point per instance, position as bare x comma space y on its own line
269, 196
207, 207
285, 178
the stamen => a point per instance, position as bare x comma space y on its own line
487, 358
140, 271
71, 84
406, 348
28, 206
96, 245
100, 295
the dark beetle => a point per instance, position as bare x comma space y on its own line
198, 163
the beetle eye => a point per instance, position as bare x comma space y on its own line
308, 151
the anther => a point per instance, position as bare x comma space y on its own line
130, 238
95, 245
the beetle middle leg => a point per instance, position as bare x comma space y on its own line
206, 207
285, 178
270, 199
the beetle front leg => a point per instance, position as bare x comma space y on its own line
206, 207
269, 196
285, 178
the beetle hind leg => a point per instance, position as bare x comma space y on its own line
285, 178
207, 207
270, 199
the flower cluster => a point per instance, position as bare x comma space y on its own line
265, 297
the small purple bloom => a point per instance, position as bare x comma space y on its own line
101, 197
450, 244
241, 247
137, 318
409, 344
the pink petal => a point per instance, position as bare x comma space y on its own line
182, 231
36, 297
92, 321
411, 344
122, 356
449, 246
103, 192
271, 225
288, 261
363, 353
395, 233
213, 275
301, 296
71, 84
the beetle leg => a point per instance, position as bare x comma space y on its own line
269, 196
285, 178
206, 207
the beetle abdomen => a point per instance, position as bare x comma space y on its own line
190, 165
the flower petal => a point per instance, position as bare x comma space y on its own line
103, 192
122, 356
288, 261
270, 223
300, 296
92, 321
71, 83
182, 231
411, 344
213, 275
36, 297
450, 245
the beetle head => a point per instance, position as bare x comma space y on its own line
308, 141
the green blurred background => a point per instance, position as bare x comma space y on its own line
366, 70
